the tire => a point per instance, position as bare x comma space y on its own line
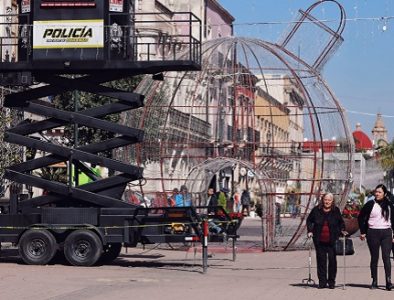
83, 248
111, 252
37, 247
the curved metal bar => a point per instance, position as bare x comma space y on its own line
335, 34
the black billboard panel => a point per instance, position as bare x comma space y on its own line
65, 30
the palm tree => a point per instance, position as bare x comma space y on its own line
387, 156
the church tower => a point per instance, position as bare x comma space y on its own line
379, 132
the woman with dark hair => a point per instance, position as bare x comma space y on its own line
325, 225
376, 221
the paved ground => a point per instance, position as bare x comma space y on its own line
174, 274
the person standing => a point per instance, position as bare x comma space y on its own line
324, 225
212, 201
186, 196
179, 201
391, 198
171, 199
183, 198
376, 221
292, 204
237, 202
245, 201
222, 199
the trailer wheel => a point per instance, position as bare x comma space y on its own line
37, 247
83, 248
111, 252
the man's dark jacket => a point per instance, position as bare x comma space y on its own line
213, 203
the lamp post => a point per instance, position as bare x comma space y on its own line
269, 208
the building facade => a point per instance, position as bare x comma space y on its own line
9, 32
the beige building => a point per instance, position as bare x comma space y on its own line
162, 37
273, 121
190, 125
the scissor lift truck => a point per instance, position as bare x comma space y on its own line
79, 45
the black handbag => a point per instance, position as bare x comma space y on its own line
349, 247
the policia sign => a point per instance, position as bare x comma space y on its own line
69, 30
65, 31
60, 34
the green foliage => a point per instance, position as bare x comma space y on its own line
53, 174
362, 199
222, 201
387, 156
84, 100
9, 153
151, 119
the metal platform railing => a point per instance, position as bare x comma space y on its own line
148, 38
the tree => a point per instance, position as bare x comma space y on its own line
386, 157
9, 153
85, 100
151, 119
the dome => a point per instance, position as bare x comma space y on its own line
361, 141
245, 122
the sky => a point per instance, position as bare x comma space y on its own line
361, 73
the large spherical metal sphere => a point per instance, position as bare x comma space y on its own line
255, 117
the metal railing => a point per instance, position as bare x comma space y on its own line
147, 37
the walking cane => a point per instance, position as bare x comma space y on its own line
344, 261
309, 281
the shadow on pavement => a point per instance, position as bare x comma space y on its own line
170, 265
365, 286
150, 256
186, 265
338, 286
304, 285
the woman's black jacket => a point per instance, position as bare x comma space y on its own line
365, 212
315, 222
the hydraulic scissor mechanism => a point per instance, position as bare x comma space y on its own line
105, 192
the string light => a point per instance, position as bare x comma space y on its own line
384, 18
384, 27
365, 113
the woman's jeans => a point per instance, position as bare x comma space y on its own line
326, 252
377, 238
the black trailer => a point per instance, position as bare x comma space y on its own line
79, 45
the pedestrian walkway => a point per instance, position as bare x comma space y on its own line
279, 275
155, 273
